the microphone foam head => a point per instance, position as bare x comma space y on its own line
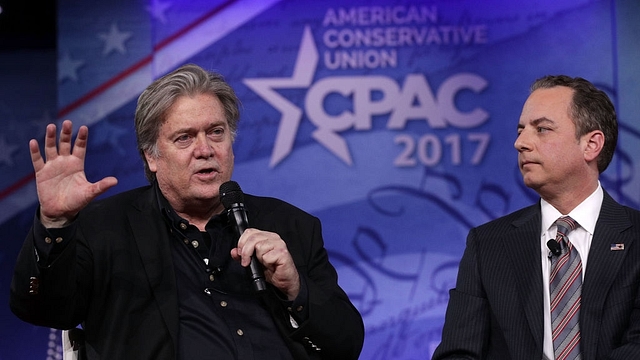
230, 193
554, 247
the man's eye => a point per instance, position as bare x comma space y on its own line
216, 134
542, 129
182, 138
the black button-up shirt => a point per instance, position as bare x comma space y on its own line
221, 316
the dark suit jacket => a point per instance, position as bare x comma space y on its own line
116, 277
496, 309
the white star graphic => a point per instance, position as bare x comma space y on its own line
114, 40
157, 10
6, 152
291, 115
68, 68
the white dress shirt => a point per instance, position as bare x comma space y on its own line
586, 215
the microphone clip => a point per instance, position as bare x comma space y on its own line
554, 248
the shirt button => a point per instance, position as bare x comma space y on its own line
58, 240
224, 304
183, 226
195, 244
186, 241
211, 277
299, 308
34, 284
47, 240
240, 332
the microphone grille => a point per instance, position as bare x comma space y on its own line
554, 247
230, 193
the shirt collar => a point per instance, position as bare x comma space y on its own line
172, 218
585, 214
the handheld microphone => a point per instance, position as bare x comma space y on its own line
232, 198
554, 247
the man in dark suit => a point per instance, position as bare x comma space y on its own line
156, 272
510, 284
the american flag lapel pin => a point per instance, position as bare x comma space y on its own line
616, 247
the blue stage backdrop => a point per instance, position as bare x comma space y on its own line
392, 121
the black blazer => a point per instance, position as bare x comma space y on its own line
496, 309
116, 277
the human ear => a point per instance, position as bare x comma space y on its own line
594, 143
151, 161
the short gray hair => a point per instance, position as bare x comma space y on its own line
157, 98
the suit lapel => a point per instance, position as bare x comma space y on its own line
153, 244
603, 265
524, 240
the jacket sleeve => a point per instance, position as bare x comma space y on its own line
47, 288
329, 326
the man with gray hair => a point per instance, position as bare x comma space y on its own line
156, 272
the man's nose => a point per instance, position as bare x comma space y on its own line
522, 142
203, 146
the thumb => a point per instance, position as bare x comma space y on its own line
103, 185
234, 254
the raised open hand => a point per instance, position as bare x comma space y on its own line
63, 189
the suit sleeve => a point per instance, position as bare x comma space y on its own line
46, 289
331, 327
467, 324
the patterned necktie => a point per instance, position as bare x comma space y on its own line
565, 292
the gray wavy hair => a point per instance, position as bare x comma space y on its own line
157, 98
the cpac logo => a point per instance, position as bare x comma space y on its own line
414, 100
